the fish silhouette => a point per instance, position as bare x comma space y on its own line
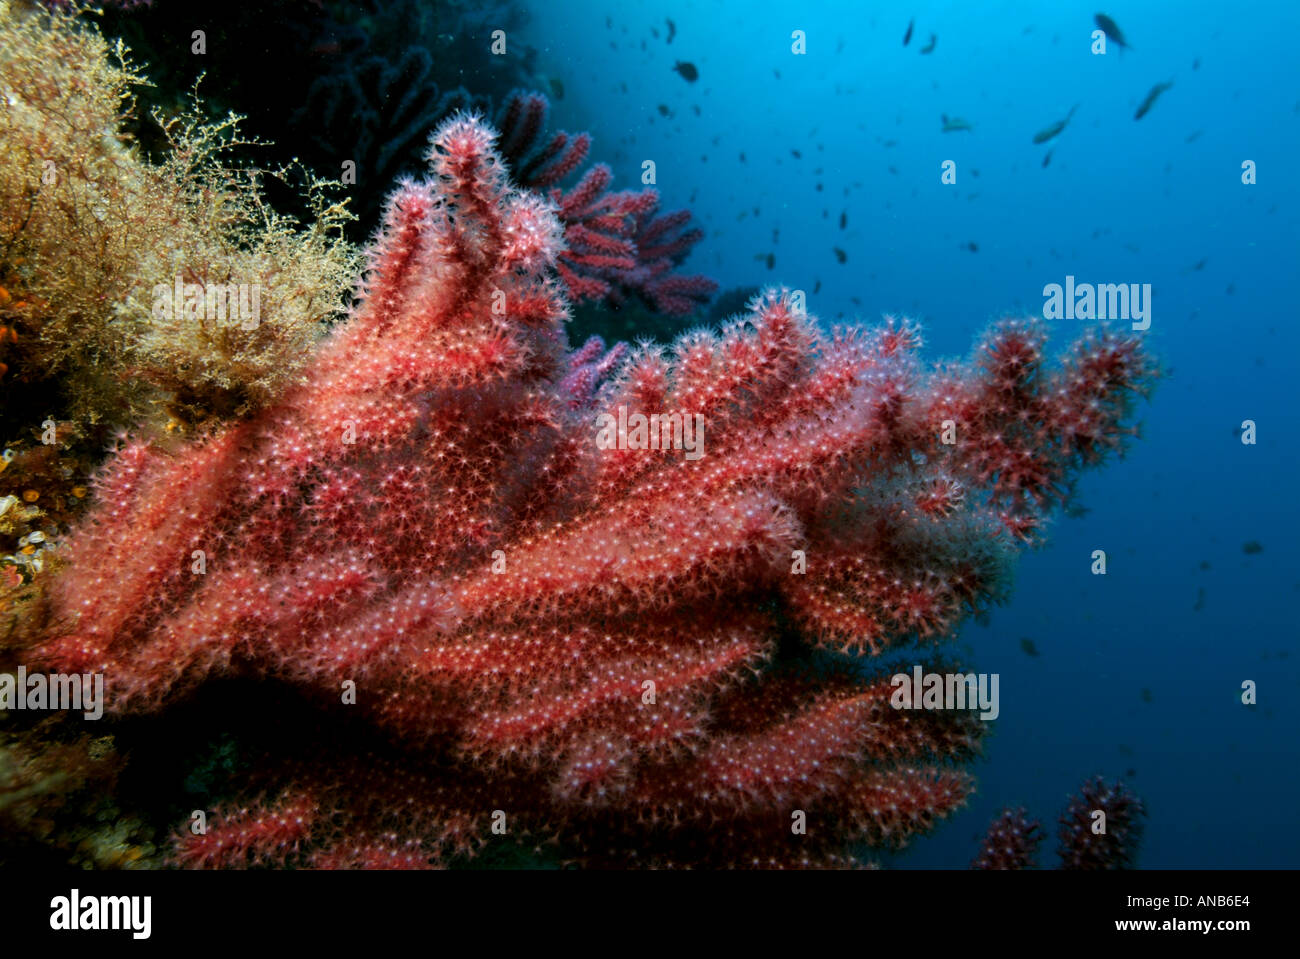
1112, 30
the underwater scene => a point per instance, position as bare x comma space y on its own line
598, 435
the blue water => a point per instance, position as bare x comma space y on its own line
1121, 201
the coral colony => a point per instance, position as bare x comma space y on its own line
1101, 828
615, 244
1012, 842
639, 655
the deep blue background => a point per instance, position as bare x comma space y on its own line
1121, 201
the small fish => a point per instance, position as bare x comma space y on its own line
972, 246
954, 124
1251, 547
1077, 511
1042, 136
1193, 137
557, 88
844, 220
1028, 646
929, 47
817, 287
796, 154
664, 111
1047, 159
1200, 599
672, 29
907, 37
696, 108
840, 255
1112, 30
687, 70
1147, 697
1150, 101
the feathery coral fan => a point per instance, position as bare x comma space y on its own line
616, 244
562, 639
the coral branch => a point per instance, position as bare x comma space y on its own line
1011, 843
616, 244
1101, 828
